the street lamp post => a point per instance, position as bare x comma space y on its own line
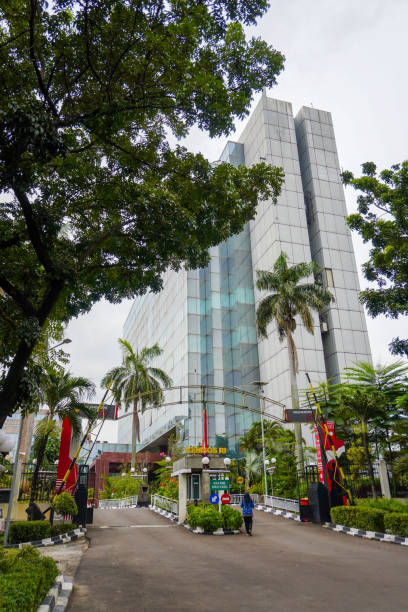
270, 470
260, 384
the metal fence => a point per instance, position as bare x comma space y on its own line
165, 503
281, 503
45, 488
123, 502
236, 498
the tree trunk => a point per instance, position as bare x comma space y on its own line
135, 433
368, 459
295, 402
9, 394
38, 465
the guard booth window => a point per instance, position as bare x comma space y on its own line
193, 486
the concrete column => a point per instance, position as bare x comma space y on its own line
205, 486
384, 481
182, 505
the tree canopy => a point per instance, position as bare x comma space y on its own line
95, 201
382, 220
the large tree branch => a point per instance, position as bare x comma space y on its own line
33, 231
34, 61
18, 297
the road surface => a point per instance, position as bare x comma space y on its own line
141, 561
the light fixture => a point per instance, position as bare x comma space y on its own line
123, 474
145, 470
266, 462
168, 459
227, 461
205, 461
132, 469
273, 459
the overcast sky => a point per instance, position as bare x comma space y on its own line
349, 58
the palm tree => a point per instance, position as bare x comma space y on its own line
136, 377
389, 383
253, 464
289, 299
64, 395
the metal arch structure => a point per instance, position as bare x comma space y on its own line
200, 394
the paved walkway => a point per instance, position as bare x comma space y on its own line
140, 561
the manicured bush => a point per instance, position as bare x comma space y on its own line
65, 505
27, 531
205, 516
209, 518
386, 505
62, 528
360, 517
25, 579
397, 523
231, 518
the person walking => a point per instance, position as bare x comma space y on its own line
247, 506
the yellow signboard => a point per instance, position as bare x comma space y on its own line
240, 480
201, 450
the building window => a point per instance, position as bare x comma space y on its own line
329, 277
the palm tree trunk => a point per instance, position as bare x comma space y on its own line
135, 433
38, 466
293, 366
368, 458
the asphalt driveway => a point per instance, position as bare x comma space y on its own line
140, 561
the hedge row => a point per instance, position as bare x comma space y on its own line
25, 579
371, 519
397, 523
28, 531
208, 518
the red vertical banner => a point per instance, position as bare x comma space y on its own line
66, 454
328, 442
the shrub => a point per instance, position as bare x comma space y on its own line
65, 505
205, 516
25, 579
62, 528
386, 505
192, 516
360, 517
26, 531
397, 523
231, 518
209, 518
116, 487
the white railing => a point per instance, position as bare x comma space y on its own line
236, 498
165, 503
281, 503
123, 502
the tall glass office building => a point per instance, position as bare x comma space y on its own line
204, 320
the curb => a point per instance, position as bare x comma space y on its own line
219, 532
63, 538
58, 596
281, 513
169, 515
369, 535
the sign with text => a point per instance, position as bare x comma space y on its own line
301, 415
219, 485
201, 450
